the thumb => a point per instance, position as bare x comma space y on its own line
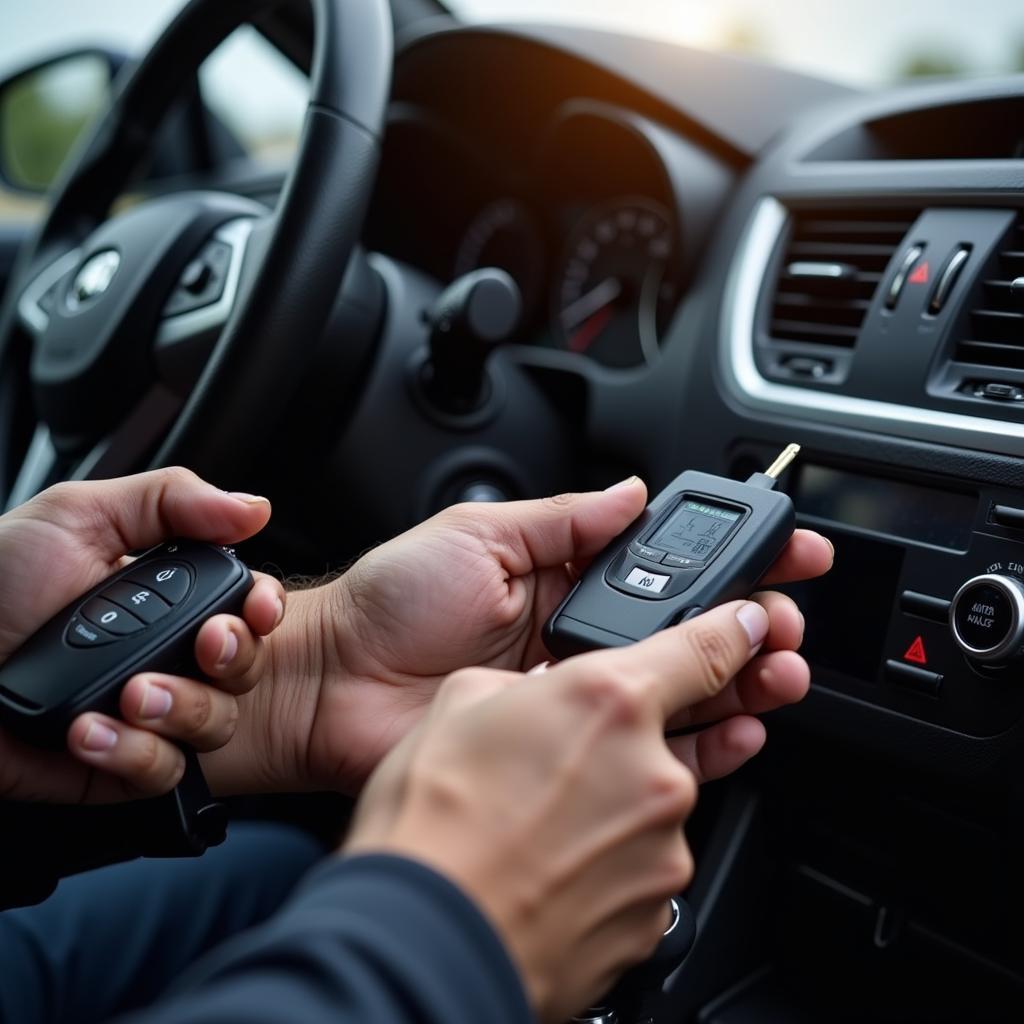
565, 528
117, 516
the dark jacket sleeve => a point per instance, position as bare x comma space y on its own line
369, 940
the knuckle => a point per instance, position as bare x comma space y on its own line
463, 681
677, 787
560, 502
711, 657
679, 868
148, 760
612, 694
200, 711
178, 476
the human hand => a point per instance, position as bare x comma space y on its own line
69, 538
555, 802
362, 658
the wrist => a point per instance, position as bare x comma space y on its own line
269, 751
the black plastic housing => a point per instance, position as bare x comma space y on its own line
48, 682
600, 612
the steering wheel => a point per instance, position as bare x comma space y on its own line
173, 331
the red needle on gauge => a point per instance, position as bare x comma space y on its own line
588, 316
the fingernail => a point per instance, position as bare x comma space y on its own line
156, 701
754, 620
831, 546
279, 605
228, 651
628, 482
249, 499
98, 737
539, 670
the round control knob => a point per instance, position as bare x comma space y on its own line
987, 618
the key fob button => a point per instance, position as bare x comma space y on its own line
142, 603
170, 581
109, 617
85, 634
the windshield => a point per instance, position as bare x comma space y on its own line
863, 42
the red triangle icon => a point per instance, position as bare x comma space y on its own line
921, 274
916, 652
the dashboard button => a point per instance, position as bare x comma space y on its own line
111, 618
138, 600
924, 606
907, 264
987, 617
948, 277
1006, 515
919, 679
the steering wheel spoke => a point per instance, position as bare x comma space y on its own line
40, 295
201, 304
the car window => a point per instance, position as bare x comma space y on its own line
248, 84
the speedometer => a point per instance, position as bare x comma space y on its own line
614, 295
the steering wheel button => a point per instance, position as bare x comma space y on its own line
196, 276
85, 634
169, 581
141, 602
111, 618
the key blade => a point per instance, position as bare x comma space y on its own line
788, 454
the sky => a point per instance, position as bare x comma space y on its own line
858, 41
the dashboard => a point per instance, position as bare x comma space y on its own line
599, 218
718, 259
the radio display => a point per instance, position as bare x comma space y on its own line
695, 530
894, 508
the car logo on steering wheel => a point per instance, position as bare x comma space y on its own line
94, 278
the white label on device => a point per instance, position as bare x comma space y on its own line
652, 581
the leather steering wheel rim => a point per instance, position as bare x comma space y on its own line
268, 340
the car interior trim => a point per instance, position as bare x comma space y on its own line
739, 310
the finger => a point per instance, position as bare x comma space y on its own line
469, 686
807, 555
553, 531
768, 682
227, 652
785, 621
680, 666
720, 749
139, 511
180, 709
139, 762
264, 606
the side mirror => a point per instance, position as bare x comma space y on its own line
43, 111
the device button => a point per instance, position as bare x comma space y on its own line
111, 618
677, 561
1006, 515
137, 600
947, 279
907, 264
643, 551
924, 606
168, 580
652, 582
919, 679
85, 634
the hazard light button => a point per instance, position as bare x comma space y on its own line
907, 266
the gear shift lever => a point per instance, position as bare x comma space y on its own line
470, 318
631, 1000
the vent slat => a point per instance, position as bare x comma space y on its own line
995, 335
829, 309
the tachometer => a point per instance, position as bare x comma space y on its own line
614, 294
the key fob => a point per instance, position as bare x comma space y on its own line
143, 618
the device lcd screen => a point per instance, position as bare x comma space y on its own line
695, 530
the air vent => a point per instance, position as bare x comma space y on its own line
831, 270
995, 328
